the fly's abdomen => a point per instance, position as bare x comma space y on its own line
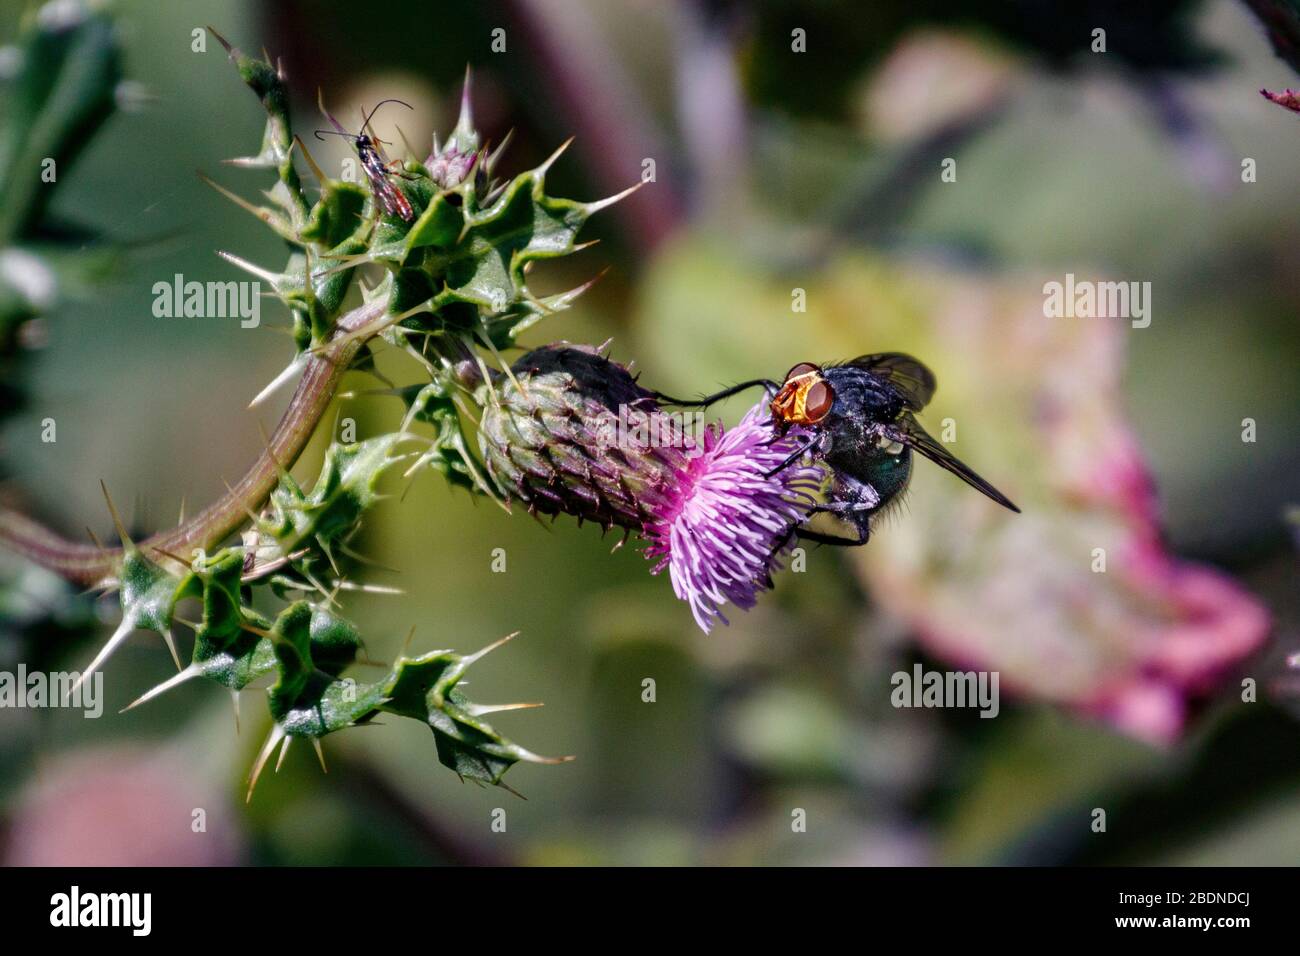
887, 474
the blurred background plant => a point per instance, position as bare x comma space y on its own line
775, 170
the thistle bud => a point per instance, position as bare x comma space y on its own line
450, 167
551, 438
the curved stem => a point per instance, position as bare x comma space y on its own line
89, 564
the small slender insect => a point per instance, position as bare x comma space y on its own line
860, 419
376, 165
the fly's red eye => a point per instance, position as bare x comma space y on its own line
817, 403
803, 368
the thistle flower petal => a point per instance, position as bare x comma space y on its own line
723, 525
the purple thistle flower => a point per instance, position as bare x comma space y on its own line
556, 443
722, 526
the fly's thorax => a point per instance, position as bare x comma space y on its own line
862, 394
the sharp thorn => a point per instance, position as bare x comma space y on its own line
124, 629
550, 160
272, 279
273, 738
171, 646
490, 648
117, 518
599, 204
173, 681
289, 372
480, 710
284, 749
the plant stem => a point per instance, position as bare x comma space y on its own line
89, 564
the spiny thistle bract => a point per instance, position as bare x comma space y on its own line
453, 257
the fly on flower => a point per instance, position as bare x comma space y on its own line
859, 419
376, 165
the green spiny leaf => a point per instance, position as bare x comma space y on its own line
337, 215
266, 80
228, 644
425, 688
449, 451
345, 489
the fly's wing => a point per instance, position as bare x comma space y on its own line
913, 382
908, 431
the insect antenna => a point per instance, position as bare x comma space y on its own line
366, 122
366, 117
338, 128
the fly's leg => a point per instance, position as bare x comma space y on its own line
769, 386
854, 501
820, 445
818, 537
845, 509
851, 496
790, 459
821, 537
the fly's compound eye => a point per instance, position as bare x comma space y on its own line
817, 403
800, 370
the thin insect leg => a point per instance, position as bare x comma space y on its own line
842, 507
853, 501
790, 459
819, 537
820, 443
854, 493
388, 168
708, 400
779, 435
